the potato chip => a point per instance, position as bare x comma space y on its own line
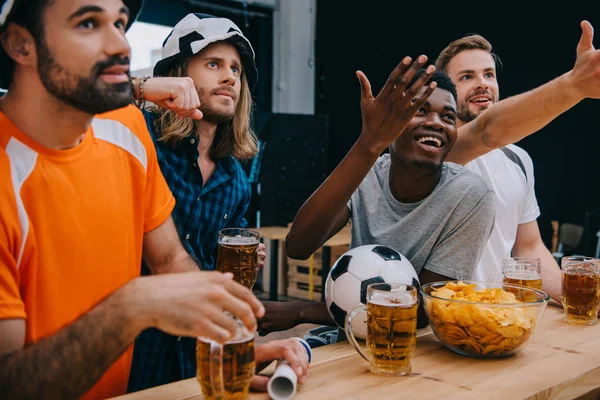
477, 329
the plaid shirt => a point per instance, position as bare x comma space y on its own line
201, 211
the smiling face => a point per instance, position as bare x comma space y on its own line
474, 74
217, 74
83, 54
431, 133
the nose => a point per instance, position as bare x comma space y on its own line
116, 43
481, 82
433, 121
228, 77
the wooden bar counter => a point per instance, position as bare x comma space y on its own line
561, 361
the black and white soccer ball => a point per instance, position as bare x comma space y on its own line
346, 285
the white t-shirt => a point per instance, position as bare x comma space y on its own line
509, 173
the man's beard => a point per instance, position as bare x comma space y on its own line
210, 113
88, 94
465, 114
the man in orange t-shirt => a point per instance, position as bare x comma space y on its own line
82, 200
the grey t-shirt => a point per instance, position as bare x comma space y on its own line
444, 233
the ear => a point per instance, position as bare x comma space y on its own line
19, 44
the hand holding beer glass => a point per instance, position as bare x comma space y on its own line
581, 289
225, 371
391, 327
237, 252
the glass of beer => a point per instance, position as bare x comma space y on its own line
391, 327
237, 252
225, 371
520, 271
581, 289
523, 272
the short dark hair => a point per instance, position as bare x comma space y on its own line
443, 81
29, 14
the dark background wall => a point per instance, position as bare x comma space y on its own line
536, 44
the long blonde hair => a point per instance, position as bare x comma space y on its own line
234, 137
470, 42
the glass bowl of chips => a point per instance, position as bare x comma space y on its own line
483, 319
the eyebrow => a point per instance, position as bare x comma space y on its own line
234, 62
471, 71
94, 9
447, 108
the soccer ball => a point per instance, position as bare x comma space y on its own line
346, 285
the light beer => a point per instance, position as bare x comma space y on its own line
533, 281
529, 279
238, 368
237, 252
581, 296
391, 333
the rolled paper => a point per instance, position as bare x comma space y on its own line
282, 385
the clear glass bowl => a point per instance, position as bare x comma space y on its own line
484, 330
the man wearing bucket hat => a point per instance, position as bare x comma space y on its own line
199, 159
82, 199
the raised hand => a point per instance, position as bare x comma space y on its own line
385, 117
586, 72
176, 94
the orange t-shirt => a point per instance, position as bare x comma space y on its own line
72, 224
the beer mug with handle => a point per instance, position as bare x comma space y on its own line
391, 327
225, 371
581, 289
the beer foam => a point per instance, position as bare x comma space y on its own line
240, 337
238, 240
526, 276
392, 299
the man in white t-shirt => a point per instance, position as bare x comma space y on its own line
506, 168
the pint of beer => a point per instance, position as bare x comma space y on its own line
225, 371
237, 252
391, 327
581, 289
523, 272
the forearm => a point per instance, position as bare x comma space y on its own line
68, 363
318, 216
551, 275
179, 262
514, 118
315, 313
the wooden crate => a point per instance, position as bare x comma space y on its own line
299, 275
299, 290
336, 252
299, 279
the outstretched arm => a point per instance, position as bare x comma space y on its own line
514, 118
384, 119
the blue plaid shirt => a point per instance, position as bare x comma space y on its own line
200, 212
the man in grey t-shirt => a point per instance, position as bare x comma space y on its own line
444, 233
438, 215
